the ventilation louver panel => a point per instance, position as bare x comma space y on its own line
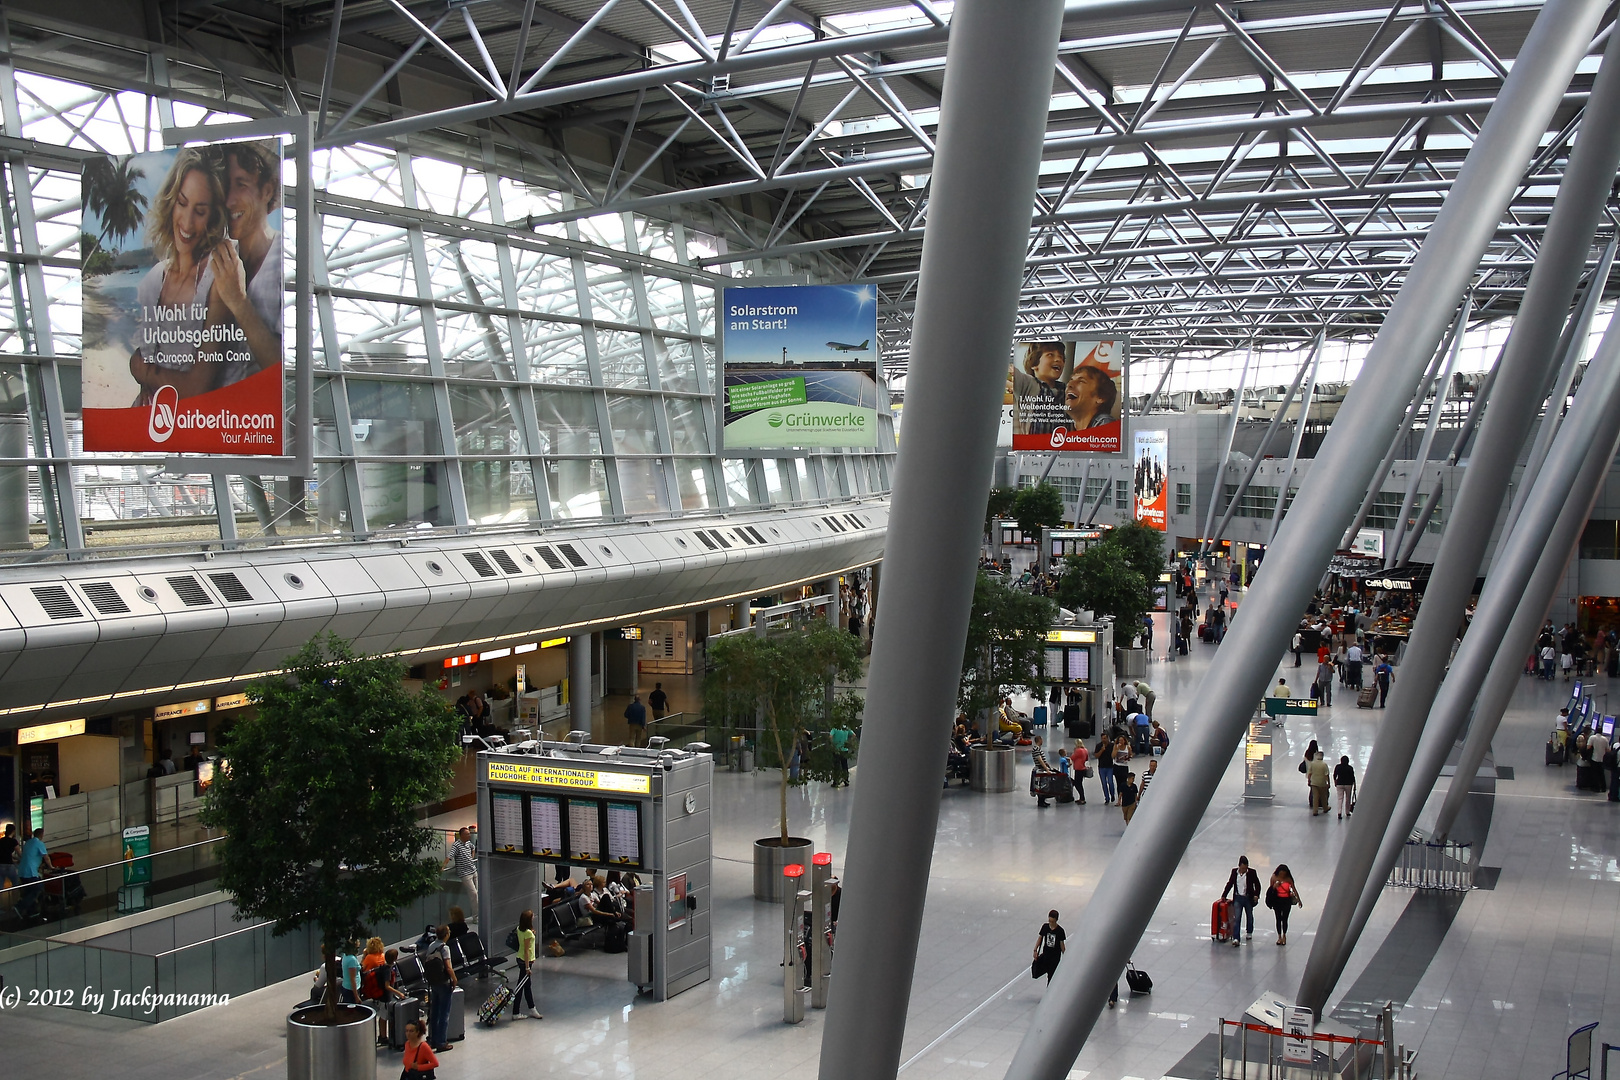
105, 597
755, 533
571, 555
505, 562
853, 520
56, 602
742, 534
720, 539
549, 556
480, 564
230, 587
704, 537
189, 590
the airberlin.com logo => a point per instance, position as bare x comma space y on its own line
246, 429
160, 424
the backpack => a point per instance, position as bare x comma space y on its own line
375, 982
434, 969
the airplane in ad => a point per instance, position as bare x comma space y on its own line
840, 346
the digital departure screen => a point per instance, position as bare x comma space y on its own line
584, 830
624, 834
506, 822
545, 826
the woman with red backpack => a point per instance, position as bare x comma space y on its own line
1281, 897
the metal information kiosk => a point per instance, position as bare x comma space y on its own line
591, 807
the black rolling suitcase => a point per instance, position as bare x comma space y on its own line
1065, 791
1555, 752
1046, 785
1071, 721
1589, 776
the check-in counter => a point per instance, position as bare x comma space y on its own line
72, 819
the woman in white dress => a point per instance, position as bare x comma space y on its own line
185, 225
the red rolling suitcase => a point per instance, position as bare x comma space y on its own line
1220, 920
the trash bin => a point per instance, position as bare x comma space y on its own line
991, 768
742, 755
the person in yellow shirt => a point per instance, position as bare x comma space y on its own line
525, 963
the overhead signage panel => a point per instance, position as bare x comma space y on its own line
562, 776
1069, 395
1152, 466
800, 366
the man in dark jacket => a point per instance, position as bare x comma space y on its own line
1244, 885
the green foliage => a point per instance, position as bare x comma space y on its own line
93, 258
1103, 580
1038, 507
782, 681
1005, 644
111, 194
318, 799
1000, 505
1143, 547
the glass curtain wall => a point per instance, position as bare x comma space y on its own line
469, 371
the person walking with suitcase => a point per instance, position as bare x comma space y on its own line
1383, 675
525, 966
1324, 682
1244, 886
1281, 897
1344, 781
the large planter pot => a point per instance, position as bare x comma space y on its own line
318, 1051
770, 856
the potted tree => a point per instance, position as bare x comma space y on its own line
781, 685
318, 804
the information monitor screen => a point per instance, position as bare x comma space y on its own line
506, 821
1079, 665
1054, 664
545, 826
624, 834
584, 830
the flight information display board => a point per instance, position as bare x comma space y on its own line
506, 822
585, 830
545, 826
591, 831
1067, 664
624, 834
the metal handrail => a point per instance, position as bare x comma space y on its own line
121, 862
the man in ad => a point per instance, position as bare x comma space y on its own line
1069, 396
183, 285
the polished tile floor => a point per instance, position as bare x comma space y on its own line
1517, 967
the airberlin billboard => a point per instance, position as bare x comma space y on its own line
183, 270
1068, 395
1152, 466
